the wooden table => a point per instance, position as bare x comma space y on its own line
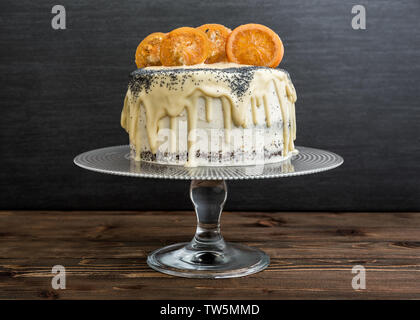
312, 255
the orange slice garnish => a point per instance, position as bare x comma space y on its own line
148, 51
254, 44
184, 46
217, 35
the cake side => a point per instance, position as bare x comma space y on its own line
218, 114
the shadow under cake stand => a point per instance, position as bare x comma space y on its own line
207, 255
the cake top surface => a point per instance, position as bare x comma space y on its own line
237, 77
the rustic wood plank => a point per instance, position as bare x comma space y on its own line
312, 255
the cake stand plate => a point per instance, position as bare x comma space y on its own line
207, 255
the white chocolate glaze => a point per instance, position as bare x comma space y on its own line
174, 92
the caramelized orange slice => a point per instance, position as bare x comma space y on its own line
184, 46
254, 44
217, 35
148, 51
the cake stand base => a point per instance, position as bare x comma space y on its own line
208, 255
234, 260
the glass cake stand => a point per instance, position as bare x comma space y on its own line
207, 255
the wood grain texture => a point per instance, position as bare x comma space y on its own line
312, 255
61, 93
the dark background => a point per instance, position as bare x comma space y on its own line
61, 93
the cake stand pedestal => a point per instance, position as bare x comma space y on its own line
207, 255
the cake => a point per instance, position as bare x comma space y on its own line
219, 113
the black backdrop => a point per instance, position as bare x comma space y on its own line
61, 93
